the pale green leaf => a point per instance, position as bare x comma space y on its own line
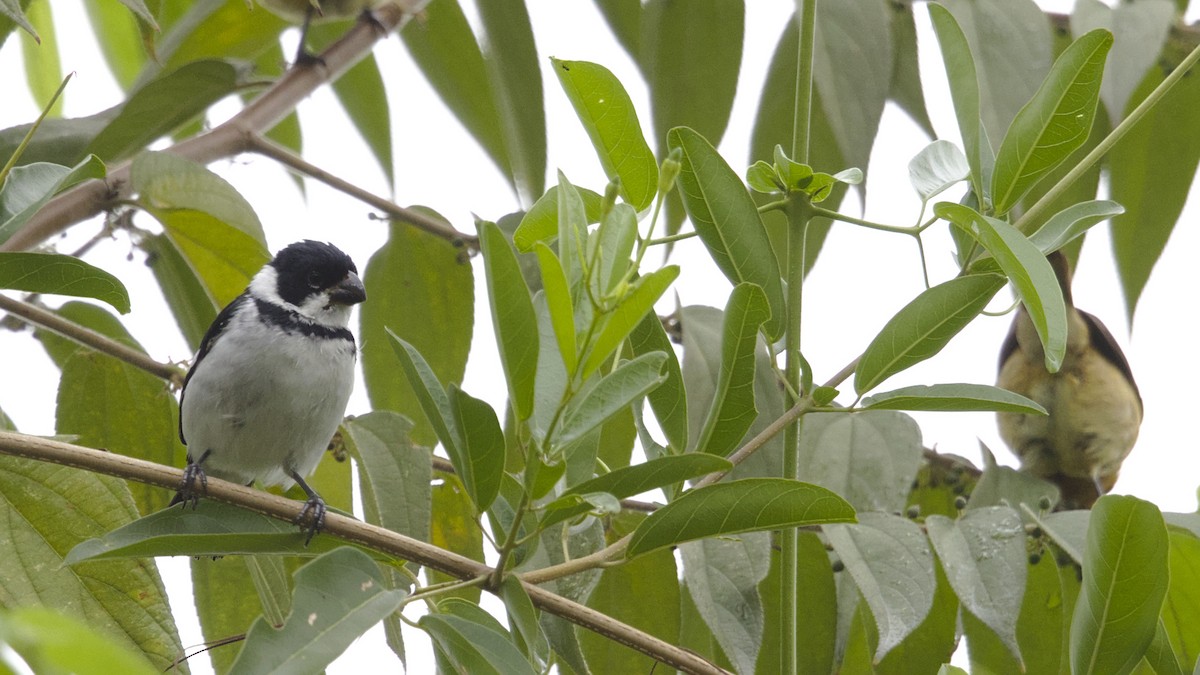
61, 275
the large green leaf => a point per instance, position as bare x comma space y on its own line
360, 91
61, 275
558, 301
540, 222
1125, 573
727, 221
1181, 610
1026, 268
691, 54
226, 602
338, 597
923, 327
474, 642
732, 410
891, 563
722, 576
120, 42
906, 89
511, 54
394, 475
870, 459
852, 67
43, 65
963, 79
110, 404
643, 593
1064, 226
983, 555
634, 306
167, 181
455, 529
191, 304
608, 116
1011, 48
1054, 123
1152, 170
748, 505
27, 188
163, 105
212, 30
953, 397
481, 452
448, 54
1139, 33
49, 509
626, 383
52, 642
435, 313
512, 317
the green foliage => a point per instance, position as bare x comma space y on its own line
623, 435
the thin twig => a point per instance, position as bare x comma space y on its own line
89, 338
352, 531
267, 148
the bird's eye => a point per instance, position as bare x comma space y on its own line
314, 279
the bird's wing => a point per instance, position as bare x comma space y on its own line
1106, 345
1010, 344
210, 338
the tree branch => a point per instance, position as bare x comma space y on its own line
352, 531
90, 338
227, 139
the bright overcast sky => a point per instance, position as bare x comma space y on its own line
860, 280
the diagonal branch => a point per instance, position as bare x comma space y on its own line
228, 139
353, 531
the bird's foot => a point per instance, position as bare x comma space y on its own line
193, 486
312, 517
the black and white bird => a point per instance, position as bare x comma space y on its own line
270, 384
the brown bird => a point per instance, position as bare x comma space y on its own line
1094, 406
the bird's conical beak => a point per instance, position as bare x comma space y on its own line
349, 291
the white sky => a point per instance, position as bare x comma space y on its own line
861, 279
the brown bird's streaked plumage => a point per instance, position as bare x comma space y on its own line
1094, 406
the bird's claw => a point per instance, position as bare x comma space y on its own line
193, 478
312, 517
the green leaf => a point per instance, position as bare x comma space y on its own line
360, 91
870, 458
733, 410
1181, 609
938, 166
481, 460
722, 576
953, 397
1139, 33
107, 403
633, 480
52, 642
43, 65
983, 555
120, 42
1054, 123
226, 601
923, 327
1012, 51
447, 52
1026, 268
472, 647
906, 89
748, 505
1151, 173
431, 397
1125, 572
13, 14
515, 72
27, 188
611, 249
338, 597
1005, 485
213, 30
512, 317
455, 529
523, 617
558, 300
1159, 655
49, 509
393, 474
634, 307
852, 73
608, 116
891, 563
61, 275
691, 54
727, 221
191, 305
624, 18
435, 314
163, 105
643, 593
223, 257
212, 529
1064, 226
167, 181
965, 93
626, 383
540, 223
669, 399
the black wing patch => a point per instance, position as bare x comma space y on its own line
1104, 343
210, 338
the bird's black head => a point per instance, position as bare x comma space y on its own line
310, 267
